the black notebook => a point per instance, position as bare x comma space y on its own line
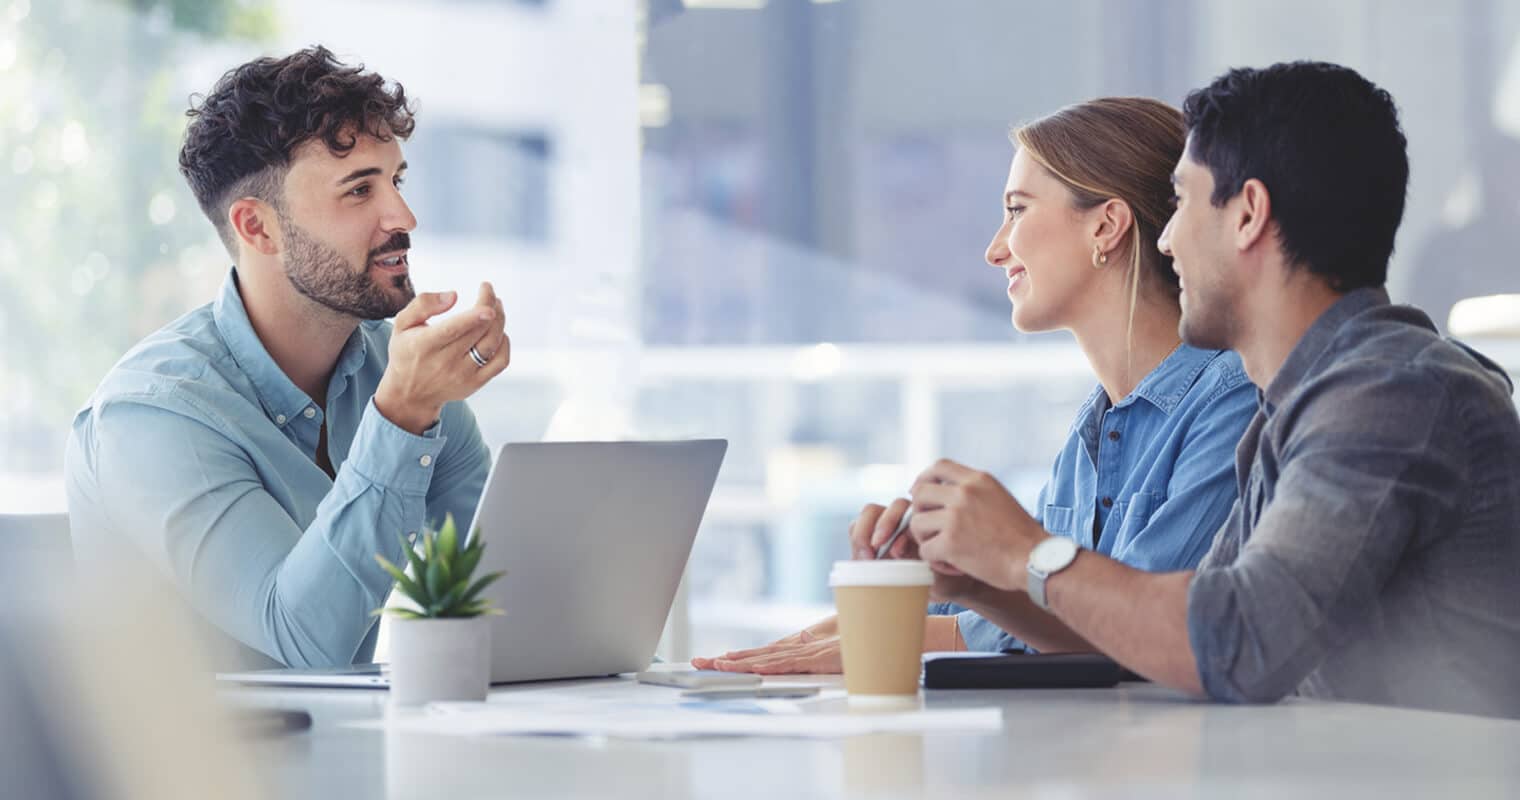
1022, 671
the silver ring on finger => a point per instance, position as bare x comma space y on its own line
475, 356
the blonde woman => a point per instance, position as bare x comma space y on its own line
1147, 472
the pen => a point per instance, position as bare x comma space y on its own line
881, 552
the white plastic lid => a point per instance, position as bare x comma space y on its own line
888, 572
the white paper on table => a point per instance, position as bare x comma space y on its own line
633, 720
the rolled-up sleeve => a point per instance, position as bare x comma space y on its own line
1363, 464
196, 503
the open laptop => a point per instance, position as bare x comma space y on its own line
594, 537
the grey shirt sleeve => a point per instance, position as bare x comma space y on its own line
1367, 456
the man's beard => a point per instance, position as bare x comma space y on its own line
1208, 323
324, 275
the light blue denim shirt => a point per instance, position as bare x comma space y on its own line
198, 454
1154, 474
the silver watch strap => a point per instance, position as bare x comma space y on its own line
1036, 588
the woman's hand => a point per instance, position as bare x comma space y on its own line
812, 650
874, 526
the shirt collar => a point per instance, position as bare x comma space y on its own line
281, 398
1170, 381
1317, 339
351, 359
1163, 388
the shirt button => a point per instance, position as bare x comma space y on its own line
309, 412
425, 461
279, 420
1113, 436
1108, 502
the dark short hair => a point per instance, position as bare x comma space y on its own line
1327, 144
241, 136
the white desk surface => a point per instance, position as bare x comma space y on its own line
1137, 740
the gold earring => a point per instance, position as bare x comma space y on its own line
1099, 257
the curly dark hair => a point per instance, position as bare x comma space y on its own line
241, 136
1327, 144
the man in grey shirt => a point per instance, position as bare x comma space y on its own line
1374, 553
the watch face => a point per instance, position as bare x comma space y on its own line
1053, 553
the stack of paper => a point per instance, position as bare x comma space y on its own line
570, 716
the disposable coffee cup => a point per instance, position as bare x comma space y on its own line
882, 606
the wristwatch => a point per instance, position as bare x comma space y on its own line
1046, 559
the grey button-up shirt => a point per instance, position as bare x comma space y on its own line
1374, 552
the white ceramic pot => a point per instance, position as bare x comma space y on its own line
440, 659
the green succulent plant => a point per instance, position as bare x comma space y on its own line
440, 580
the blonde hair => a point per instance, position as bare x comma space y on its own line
1117, 148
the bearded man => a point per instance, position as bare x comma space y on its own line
261, 450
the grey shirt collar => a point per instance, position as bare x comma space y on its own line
1316, 340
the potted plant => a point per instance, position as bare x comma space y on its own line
441, 644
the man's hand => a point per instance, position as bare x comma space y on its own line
431, 365
495, 343
966, 520
812, 650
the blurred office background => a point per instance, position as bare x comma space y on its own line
756, 219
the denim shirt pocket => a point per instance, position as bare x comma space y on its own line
1135, 514
1058, 519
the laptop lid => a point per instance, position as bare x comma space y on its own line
594, 538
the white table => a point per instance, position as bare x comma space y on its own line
1137, 740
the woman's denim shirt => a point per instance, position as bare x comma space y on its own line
1153, 476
